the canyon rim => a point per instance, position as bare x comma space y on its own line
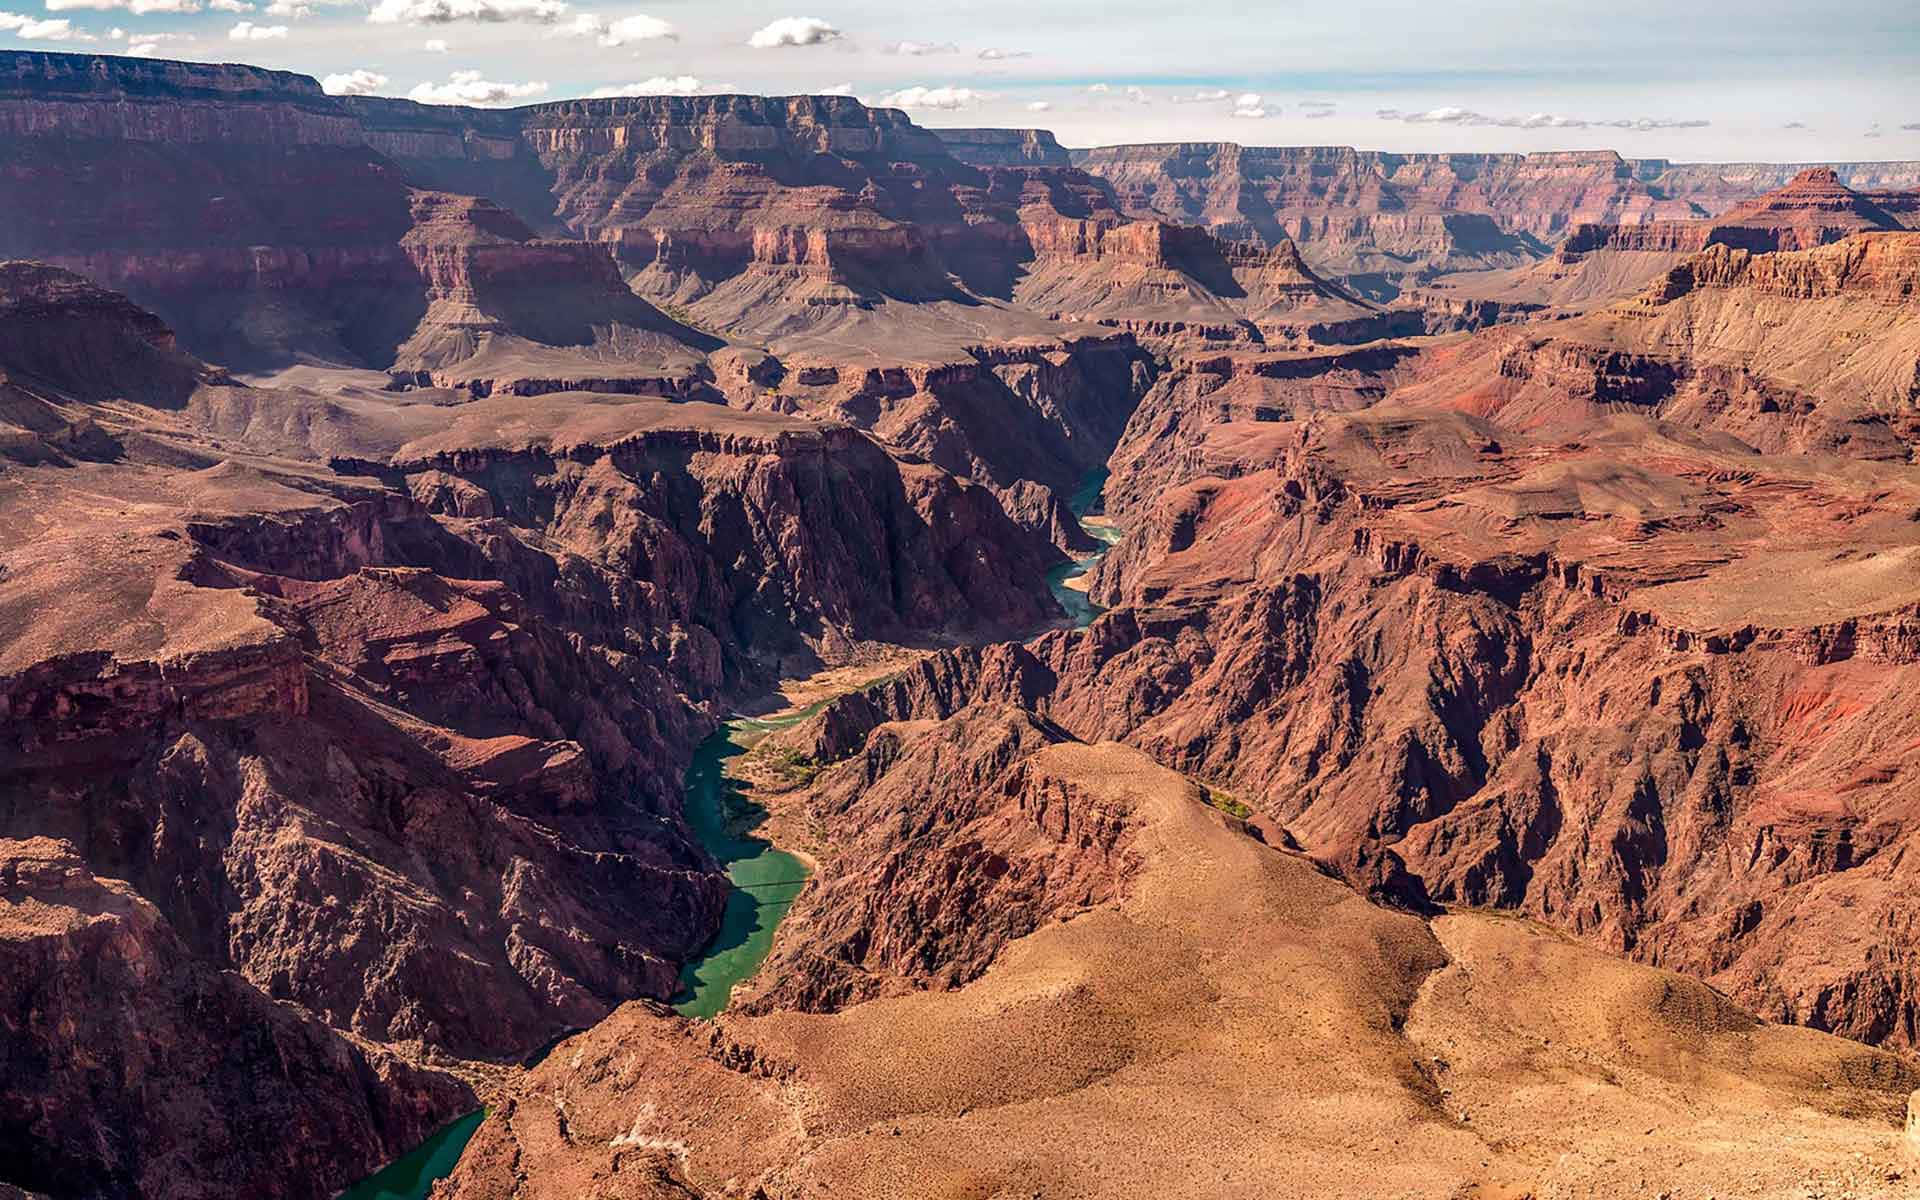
691, 640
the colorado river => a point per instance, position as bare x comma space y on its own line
1061, 580
413, 1176
765, 879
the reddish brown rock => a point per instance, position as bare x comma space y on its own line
946, 846
134, 1068
1601, 264
1153, 1019
398, 742
1570, 622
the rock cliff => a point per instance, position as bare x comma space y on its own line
367, 716
1584, 622
1149, 1018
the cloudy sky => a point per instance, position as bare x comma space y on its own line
1709, 80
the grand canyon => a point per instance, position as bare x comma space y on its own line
727, 645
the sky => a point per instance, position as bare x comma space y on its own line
1708, 81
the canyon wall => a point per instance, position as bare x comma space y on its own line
358, 723
1582, 621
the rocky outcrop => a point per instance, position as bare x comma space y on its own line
1877, 267
1169, 1007
135, 1069
1027, 420
508, 312
993, 850
1005, 147
390, 750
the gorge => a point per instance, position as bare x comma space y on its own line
721, 645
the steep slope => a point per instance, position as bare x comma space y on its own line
359, 722
1204, 1012
250, 210
509, 312
135, 1069
1599, 264
1028, 420
1609, 622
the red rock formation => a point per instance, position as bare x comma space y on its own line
508, 312
1028, 420
946, 847
134, 1068
395, 745
1600, 264
1157, 1016
1004, 147
1521, 622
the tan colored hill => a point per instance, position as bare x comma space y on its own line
1220, 1017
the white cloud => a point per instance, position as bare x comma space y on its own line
1099, 89
996, 54
1039, 106
659, 85
232, 6
1874, 131
435, 46
1204, 96
838, 89
1252, 106
33, 29
946, 98
484, 12
1467, 116
920, 49
1794, 125
143, 49
247, 31
793, 31
1139, 95
290, 9
467, 87
638, 29
1317, 110
353, 83
616, 33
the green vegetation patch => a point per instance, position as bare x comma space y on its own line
1225, 802
790, 766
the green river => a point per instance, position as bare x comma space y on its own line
1081, 609
766, 880
413, 1176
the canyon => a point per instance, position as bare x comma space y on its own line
439, 545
